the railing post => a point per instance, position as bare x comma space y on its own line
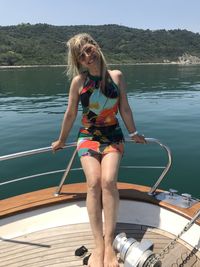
59, 188
155, 186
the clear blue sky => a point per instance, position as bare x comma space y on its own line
142, 14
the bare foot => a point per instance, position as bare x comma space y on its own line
110, 257
96, 259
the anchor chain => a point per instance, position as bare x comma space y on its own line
172, 243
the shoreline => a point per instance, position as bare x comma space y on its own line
30, 66
111, 64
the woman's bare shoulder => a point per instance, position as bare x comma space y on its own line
78, 81
117, 76
115, 73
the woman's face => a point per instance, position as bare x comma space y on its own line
89, 55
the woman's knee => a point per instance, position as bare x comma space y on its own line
94, 185
108, 184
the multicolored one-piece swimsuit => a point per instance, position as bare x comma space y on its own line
101, 133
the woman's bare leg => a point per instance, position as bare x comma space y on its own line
110, 196
92, 170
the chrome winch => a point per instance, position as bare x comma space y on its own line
133, 253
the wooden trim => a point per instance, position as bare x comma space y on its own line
41, 198
77, 192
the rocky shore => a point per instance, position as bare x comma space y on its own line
188, 59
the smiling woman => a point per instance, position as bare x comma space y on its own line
100, 140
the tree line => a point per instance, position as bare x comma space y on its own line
44, 44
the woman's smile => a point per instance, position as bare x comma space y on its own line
92, 59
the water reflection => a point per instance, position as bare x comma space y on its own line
53, 81
31, 104
161, 77
46, 89
38, 81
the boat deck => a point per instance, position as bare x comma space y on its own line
56, 246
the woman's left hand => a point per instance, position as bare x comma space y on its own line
139, 139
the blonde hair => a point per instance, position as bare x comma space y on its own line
74, 46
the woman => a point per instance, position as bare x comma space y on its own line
100, 139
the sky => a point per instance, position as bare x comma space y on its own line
141, 14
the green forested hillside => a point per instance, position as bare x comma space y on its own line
45, 44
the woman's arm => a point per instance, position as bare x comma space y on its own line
70, 114
126, 112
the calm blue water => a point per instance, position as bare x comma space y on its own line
165, 100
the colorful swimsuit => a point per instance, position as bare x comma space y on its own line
101, 132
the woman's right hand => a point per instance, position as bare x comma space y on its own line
57, 145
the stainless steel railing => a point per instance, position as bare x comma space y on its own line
68, 168
32, 152
166, 169
29, 153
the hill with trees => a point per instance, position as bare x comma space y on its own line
44, 44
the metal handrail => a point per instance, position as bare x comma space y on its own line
32, 152
163, 174
166, 169
68, 168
